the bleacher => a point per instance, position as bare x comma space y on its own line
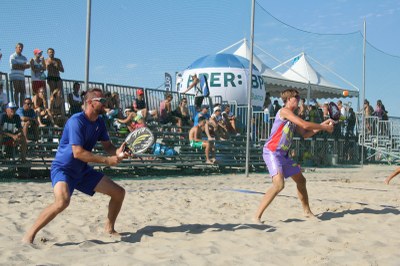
321, 150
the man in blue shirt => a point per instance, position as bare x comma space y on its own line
70, 167
29, 119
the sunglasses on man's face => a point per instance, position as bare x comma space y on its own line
100, 100
28, 103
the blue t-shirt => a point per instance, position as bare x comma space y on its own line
82, 132
196, 118
26, 113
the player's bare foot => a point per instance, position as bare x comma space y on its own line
27, 240
387, 181
309, 214
111, 232
257, 220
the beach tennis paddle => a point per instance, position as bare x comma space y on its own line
138, 141
334, 111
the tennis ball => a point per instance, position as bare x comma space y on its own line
345, 93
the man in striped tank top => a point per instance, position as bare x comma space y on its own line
276, 151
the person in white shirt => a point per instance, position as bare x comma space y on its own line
18, 64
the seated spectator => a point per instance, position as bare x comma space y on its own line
139, 106
40, 107
196, 141
166, 115
75, 100
218, 124
57, 108
204, 113
11, 130
132, 120
3, 98
111, 106
182, 111
230, 120
29, 119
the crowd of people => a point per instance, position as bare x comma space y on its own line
317, 113
41, 109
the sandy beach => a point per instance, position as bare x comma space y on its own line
206, 220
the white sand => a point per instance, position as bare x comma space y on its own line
203, 221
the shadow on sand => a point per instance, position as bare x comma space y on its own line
333, 215
191, 229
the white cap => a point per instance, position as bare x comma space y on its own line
218, 108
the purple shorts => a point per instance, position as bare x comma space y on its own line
279, 163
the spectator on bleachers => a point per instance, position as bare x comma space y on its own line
139, 106
75, 100
3, 98
57, 108
302, 111
42, 111
198, 99
112, 105
380, 110
204, 113
351, 122
342, 108
230, 120
11, 130
267, 100
38, 66
132, 120
196, 141
182, 111
368, 112
313, 113
325, 111
18, 64
54, 66
166, 115
277, 107
29, 119
218, 124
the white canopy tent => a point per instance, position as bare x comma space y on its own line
301, 76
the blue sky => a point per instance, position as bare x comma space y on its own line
135, 42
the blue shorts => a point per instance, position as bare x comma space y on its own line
85, 183
279, 163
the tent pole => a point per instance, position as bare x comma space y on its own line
362, 110
249, 89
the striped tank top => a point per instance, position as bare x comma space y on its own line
281, 135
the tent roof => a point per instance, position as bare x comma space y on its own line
302, 71
221, 60
264, 70
300, 76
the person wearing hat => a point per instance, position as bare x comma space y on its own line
204, 113
38, 67
11, 130
18, 64
217, 122
139, 106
